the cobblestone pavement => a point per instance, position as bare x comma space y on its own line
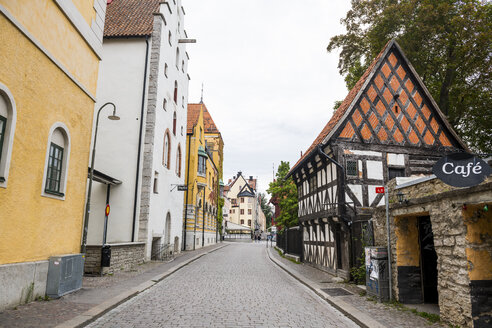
236, 286
95, 290
385, 314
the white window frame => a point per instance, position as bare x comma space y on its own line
8, 140
65, 164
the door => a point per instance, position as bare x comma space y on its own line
428, 260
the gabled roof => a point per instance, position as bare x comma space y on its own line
126, 18
246, 191
364, 114
193, 116
208, 122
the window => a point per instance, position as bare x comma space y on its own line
156, 182
182, 101
53, 178
56, 162
164, 104
242, 211
166, 151
249, 211
181, 130
249, 222
7, 127
176, 92
174, 123
169, 37
183, 66
178, 161
165, 69
312, 183
201, 132
230, 211
352, 168
242, 221
177, 58
202, 165
242, 199
394, 172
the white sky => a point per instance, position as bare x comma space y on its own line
269, 82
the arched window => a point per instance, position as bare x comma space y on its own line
164, 104
166, 152
178, 161
183, 66
56, 162
165, 69
8, 116
176, 92
177, 58
167, 232
169, 36
174, 123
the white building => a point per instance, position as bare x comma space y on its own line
144, 72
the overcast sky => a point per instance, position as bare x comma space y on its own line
269, 82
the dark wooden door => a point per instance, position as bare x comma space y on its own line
428, 260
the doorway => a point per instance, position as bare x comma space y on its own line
428, 260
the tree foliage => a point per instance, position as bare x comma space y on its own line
266, 208
449, 43
285, 192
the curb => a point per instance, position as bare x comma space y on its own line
97, 311
359, 317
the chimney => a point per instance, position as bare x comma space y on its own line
230, 180
239, 173
250, 177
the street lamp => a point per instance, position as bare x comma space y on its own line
112, 117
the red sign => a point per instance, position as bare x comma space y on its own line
107, 210
379, 190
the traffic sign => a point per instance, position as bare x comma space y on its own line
379, 190
107, 210
182, 187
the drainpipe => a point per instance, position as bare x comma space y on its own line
137, 174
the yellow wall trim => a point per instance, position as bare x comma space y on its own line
38, 44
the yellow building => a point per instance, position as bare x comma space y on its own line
204, 159
50, 52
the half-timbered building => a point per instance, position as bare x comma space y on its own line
387, 126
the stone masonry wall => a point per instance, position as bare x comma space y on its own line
444, 206
123, 257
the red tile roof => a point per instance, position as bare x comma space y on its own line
130, 18
208, 122
340, 112
193, 115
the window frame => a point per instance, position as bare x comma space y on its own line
166, 151
51, 168
2, 134
8, 135
348, 172
202, 166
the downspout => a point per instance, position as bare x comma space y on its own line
186, 200
137, 174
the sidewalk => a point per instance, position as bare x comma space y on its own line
361, 309
98, 295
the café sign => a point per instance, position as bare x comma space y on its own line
461, 170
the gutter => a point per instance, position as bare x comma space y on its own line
137, 174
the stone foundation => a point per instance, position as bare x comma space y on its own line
123, 257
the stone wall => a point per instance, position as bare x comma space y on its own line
462, 258
123, 257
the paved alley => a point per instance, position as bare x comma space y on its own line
236, 286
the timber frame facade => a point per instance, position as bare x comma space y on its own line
387, 126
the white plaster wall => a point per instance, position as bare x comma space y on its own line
374, 170
396, 159
166, 200
120, 81
357, 190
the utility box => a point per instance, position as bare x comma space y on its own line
106, 256
377, 278
64, 274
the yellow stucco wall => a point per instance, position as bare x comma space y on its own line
34, 227
192, 178
407, 242
48, 24
86, 8
479, 237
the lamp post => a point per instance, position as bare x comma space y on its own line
112, 117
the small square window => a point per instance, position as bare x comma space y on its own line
352, 168
395, 172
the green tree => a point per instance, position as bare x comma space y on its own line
267, 210
449, 43
285, 192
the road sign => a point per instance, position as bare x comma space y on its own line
182, 187
107, 210
379, 190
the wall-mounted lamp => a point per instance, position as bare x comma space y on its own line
401, 198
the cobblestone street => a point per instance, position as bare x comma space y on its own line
236, 286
